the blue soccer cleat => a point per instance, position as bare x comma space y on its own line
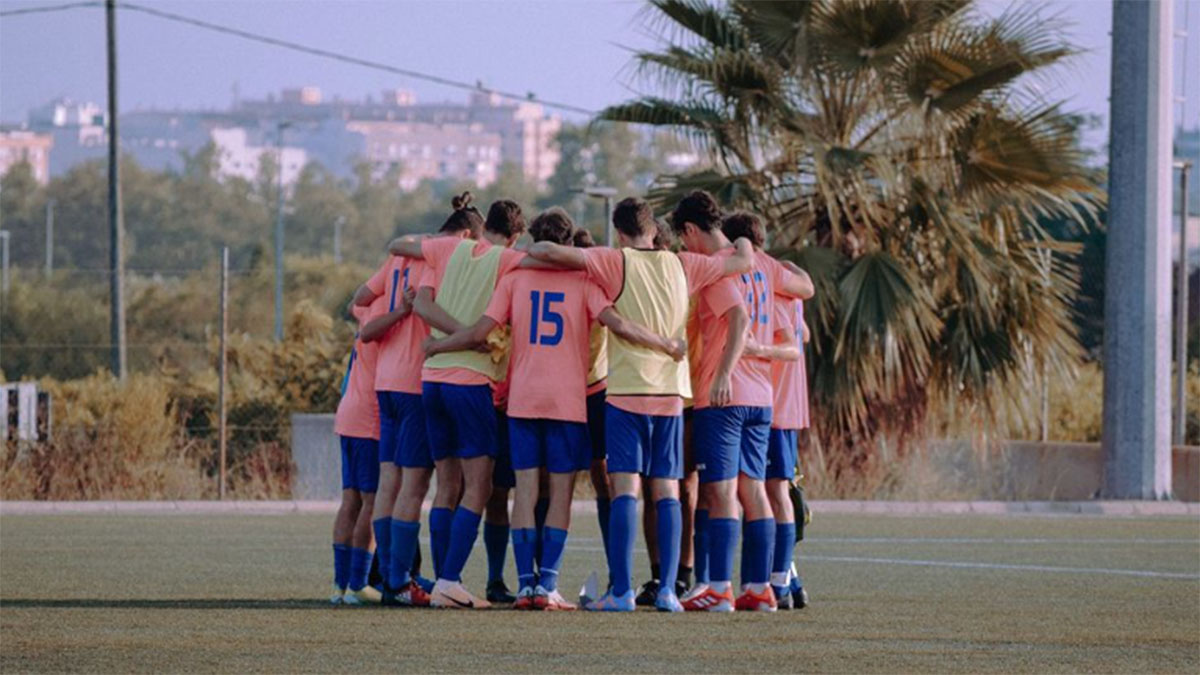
613, 603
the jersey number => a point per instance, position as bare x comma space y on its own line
545, 300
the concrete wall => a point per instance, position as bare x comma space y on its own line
317, 456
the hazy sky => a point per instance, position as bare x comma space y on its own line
574, 51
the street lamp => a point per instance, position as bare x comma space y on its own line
279, 127
606, 193
4, 235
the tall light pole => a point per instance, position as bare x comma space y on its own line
49, 238
1181, 311
337, 239
116, 216
4, 236
606, 193
279, 127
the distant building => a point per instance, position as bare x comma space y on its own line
19, 145
236, 156
420, 151
79, 131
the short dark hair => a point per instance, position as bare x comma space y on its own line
505, 218
582, 239
744, 224
698, 208
662, 237
464, 217
633, 217
553, 225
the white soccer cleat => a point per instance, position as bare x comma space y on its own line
453, 595
367, 595
336, 598
551, 601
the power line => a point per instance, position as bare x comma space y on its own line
344, 58
51, 8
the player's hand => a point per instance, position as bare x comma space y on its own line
431, 346
722, 391
752, 349
677, 348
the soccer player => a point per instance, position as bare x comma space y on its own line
404, 443
732, 415
789, 411
456, 386
550, 313
357, 425
643, 428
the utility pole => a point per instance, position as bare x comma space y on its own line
1137, 304
4, 236
49, 238
606, 193
1181, 311
337, 239
223, 362
116, 224
279, 127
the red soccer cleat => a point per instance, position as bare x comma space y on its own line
749, 601
708, 600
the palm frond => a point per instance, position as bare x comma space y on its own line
698, 19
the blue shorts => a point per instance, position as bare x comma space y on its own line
460, 419
402, 436
731, 440
360, 463
559, 446
595, 423
650, 445
503, 475
781, 454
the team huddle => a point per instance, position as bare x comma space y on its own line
489, 371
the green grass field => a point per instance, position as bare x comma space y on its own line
246, 593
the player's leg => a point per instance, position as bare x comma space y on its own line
365, 466
717, 437
759, 519
665, 469
495, 520
525, 449
440, 432
389, 478
565, 446
416, 468
649, 590
689, 488
343, 528
627, 437
599, 467
781, 467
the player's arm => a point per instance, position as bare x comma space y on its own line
797, 284
468, 338
742, 259
408, 246
804, 332
563, 257
364, 296
784, 349
378, 327
432, 313
636, 333
735, 341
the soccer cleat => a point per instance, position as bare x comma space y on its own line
799, 597
783, 597
647, 594
667, 601
613, 603
681, 588
705, 599
366, 595
552, 601
425, 583
749, 601
412, 595
525, 599
453, 595
336, 598
498, 593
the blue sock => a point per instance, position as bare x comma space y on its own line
670, 528
439, 537
554, 540
360, 565
603, 513
746, 543
383, 537
524, 539
622, 529
539, 519
341, 565
700, 545
760, 541
464, 530
404, 543
495, 540
722, 540
781, 559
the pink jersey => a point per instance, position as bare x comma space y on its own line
606, 268
789, 379
751, 377
358, 411
437, 252
551, 315
400, 352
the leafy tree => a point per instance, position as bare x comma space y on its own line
899, 153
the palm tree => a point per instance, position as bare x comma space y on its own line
901, 151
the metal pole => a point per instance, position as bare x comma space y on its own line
279, 235
4, 235
1137, 303
116, 225
337, 239
223, 365
1045, 425
608, 224
49, 238
1181, 312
